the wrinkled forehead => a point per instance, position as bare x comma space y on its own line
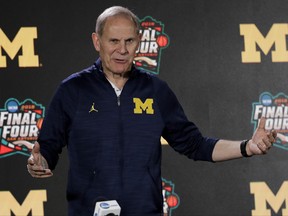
120, 21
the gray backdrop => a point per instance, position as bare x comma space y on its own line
202, 64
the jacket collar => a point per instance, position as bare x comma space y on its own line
99, 68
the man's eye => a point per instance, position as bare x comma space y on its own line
114, 41
129, 41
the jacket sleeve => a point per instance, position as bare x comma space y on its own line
54, 133
181, 134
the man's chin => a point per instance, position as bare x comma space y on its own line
122, 70
118, 69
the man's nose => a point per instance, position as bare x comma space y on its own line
122, 47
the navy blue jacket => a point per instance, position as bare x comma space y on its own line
115, 151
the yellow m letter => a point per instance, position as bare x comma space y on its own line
146, 106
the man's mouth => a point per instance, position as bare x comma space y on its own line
121, 61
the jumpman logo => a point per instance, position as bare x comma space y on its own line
92, 109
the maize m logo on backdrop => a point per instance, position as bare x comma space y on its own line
263, 195
32, 205
24, 40
276, 37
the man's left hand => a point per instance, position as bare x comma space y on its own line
262, 140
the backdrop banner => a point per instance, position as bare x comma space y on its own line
226, 61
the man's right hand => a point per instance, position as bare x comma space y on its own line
37, 165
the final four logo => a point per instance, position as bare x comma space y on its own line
170, 198
19, 126
275, 110
153, 40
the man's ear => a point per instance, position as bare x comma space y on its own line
96, 42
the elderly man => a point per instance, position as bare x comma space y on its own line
113, 145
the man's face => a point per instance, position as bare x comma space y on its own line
117, 45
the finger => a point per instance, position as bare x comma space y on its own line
38, 172
263, 148
268, 143
35, 154
44, 174
41, 175
274, 134
271, 137
262, 123
35, 169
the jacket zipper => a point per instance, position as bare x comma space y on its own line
118, 100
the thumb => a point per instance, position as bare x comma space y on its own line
36, 148
262, 123
35, 154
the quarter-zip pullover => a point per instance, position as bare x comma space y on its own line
114, 141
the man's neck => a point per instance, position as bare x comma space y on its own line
118, 80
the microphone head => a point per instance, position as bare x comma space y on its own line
107, 208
